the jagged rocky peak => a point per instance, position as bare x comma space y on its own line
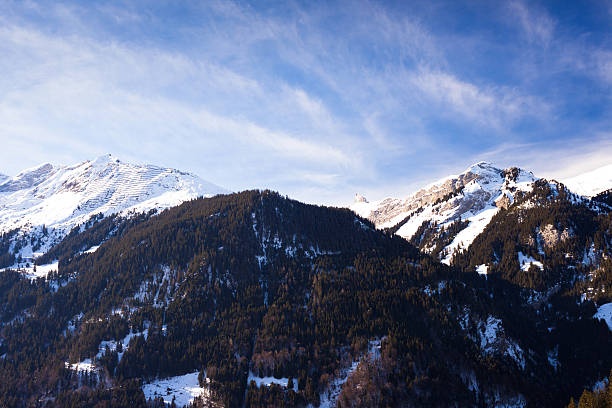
28, 178
482, 182
472, 198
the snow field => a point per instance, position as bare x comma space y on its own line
183, 389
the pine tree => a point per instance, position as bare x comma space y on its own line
587, 400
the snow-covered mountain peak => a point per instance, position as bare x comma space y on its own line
591, 183
27, 178
482, 179
482, 167
104, 160
61, 197
360, 199
472, 197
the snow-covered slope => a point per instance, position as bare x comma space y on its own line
473, 197
591, 183
61, 197
604, 313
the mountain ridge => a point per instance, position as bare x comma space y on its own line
592, 182
253, 299
58, 198
253, 288
473, 197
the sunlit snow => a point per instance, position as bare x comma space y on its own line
526, 261
482, 269
267, 381
592, 182
84, 366
125, 342
62, 197
474, 197
183, 389
34, 271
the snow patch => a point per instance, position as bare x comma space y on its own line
526, 261
330, 396
267, 381
125, 342
553, 358
604, 313
85, 366
482, 269
493, 339
34, 271
600, 385
92, 249
183, 389
466, 236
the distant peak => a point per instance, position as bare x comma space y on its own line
28, 178
41, 168
360, 199
482, 165
105, 159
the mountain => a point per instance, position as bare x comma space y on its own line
451, 212
42, 204
591, 183
254, 300
535, 233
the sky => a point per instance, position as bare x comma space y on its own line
316, 99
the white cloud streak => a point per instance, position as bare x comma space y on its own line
490, 106
537, 25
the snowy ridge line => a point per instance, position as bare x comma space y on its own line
591, 183
62, 197
475, 196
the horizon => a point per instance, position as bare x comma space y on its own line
344, 204
316, 101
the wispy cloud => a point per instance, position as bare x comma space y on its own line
491, 106
313, 99
603, 61
70, 88
536, 24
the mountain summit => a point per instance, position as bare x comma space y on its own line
61, 197
471, 198
591, 183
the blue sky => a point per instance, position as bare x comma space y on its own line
318, 100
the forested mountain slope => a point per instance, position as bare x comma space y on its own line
271, 302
